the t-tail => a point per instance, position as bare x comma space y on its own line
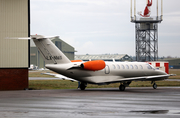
50, 53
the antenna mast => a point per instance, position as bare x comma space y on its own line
146, 30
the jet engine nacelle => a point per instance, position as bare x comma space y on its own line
94, 65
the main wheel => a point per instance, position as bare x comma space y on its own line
82, 86
122, 87
154, 85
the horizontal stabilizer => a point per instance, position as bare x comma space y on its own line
60, 76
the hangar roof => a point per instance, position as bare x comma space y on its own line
103, 57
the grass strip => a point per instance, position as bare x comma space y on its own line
64, 84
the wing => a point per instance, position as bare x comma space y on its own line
60, 77
150, 78
147, 78
143, 78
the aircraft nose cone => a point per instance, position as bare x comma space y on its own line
162, 72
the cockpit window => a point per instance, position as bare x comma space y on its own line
152, 67
148, 66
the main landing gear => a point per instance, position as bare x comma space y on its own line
123, 86
83, 86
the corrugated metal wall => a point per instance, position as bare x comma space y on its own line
13, 23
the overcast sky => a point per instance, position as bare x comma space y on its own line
103, 26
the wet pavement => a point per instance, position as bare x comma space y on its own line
140, 102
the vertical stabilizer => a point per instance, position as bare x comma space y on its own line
50, 53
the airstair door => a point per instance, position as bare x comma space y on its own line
107, 70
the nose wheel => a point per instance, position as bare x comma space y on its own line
155, 86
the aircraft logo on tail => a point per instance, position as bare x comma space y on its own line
53, 57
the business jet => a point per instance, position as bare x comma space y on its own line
98, 71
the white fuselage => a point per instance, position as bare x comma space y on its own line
113, 72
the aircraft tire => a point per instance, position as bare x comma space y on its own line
122, 87
82, 86
155, 86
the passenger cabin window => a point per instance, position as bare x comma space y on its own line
127, 67
122, 66
131, 67
135, 66
141, 67
118, 67
114, 67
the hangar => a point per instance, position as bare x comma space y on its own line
105, 57
14, 54
174, 63
37, 60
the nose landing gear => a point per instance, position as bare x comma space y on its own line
154, 85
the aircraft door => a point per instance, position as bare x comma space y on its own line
107, 70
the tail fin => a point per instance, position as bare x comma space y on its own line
50, 53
